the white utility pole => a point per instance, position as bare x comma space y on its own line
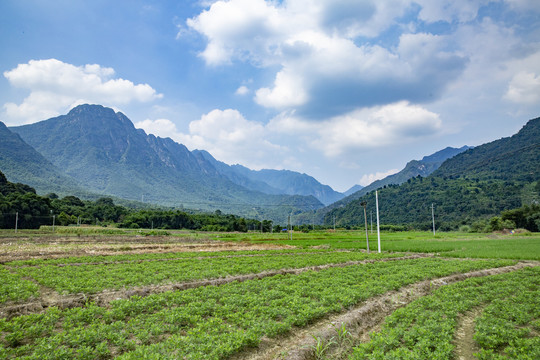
53, 223
433, 217
334, 223
378, 227
16, 221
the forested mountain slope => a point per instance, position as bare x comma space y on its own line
21, 163
108, 155
480, 182
412, 169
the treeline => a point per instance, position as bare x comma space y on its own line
21, 206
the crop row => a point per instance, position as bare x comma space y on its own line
154, 256
211, 322
97, 277
425, 328
14, 288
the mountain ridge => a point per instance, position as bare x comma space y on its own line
272, 181
105, 152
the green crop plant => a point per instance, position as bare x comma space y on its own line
212, 322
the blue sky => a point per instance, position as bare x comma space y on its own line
347, 91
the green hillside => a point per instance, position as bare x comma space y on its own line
424, 167
478, 183
21, 163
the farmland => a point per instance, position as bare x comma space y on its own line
187, 295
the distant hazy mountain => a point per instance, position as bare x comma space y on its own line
105, 153
477, 183
21, 163
353, 189
412, 169
274, 181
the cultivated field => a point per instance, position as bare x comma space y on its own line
89, 293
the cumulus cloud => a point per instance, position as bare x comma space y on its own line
226, 134
524, 88
242, 90
160, 127
366, 128
56, 86
450, 10
323, 69
367, 179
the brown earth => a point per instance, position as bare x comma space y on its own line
464, 342
50, 247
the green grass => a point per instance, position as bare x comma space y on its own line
524, 246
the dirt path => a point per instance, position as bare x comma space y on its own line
360, 321
51, 298
465, 344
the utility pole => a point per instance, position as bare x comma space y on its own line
363, 203
334, 223
378, 227
53, 223
433, 217
16, 221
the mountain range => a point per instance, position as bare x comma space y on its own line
274, 181
95, 148
94, 151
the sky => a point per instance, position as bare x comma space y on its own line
347, 91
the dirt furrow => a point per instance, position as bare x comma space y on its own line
464, 341
359, 321
105, 297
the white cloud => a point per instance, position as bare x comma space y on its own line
450, 10
226, 134
367, 128
242, 90
365, 180
524, 88
161, 127
56, 86
323, 69
525, 5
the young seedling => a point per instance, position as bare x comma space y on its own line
343, 335
321, 347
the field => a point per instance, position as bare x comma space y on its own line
93, 293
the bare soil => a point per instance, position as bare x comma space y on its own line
50, 247
465, 344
